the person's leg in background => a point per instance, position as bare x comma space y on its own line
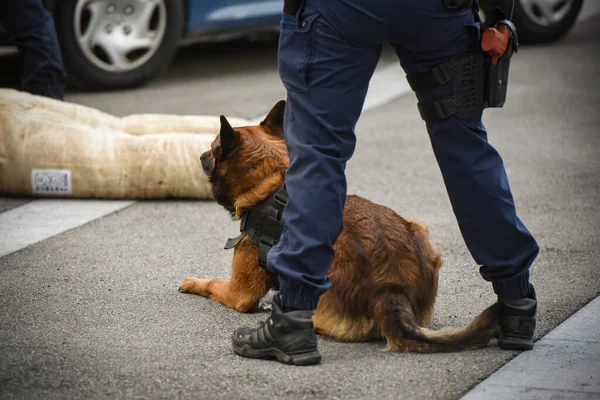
31, 28
326, 78
474, 172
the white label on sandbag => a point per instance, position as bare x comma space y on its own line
51, 181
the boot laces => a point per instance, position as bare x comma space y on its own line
261, 334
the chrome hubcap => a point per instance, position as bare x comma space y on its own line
119, 35
546, 12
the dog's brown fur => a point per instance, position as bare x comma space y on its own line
385, 273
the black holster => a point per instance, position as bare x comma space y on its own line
497, 75
476, 83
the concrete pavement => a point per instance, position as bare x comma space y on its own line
94, 312
565, 364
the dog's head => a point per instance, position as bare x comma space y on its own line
245, 165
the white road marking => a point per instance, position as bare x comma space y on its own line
41, 219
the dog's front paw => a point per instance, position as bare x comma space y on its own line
191, 285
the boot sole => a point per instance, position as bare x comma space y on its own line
309, 358
515, 343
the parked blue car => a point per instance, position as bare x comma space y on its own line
113, 44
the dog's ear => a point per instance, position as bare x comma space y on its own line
229, 138
274, 120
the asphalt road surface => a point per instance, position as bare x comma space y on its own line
94, 312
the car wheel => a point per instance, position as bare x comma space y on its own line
116, 44
542, 21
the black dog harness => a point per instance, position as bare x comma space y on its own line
263, 224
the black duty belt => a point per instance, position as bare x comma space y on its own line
458, 4
263, 224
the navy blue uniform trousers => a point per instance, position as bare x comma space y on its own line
327, 54
31, 29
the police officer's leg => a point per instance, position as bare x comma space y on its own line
326, 77
473, 171
323, 104
32, 30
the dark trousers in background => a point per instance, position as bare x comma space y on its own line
31, 28
327, 55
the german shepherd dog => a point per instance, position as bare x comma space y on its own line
385, 273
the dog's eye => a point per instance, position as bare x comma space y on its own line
217, 152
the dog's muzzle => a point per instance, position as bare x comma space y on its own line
207, 163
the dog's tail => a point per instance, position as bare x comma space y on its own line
394, 315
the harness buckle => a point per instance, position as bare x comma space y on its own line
280, 199
244, 221
281, 196
265, 244
267, 241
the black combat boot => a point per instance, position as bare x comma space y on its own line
517, 322
287, 336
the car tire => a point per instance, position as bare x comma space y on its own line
89, 68
530, 30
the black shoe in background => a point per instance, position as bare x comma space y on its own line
286, 336
517, 322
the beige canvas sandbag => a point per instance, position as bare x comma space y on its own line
50, 148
